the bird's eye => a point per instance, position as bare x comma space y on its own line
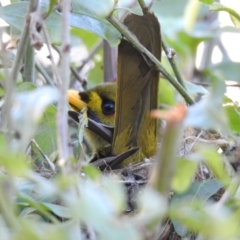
108, 107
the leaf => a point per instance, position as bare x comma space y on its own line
14, 15
12, 161
207, 2
166, 94
58, 210
83, 122
52, 4
184, 173
99, 8
233, 115
92, 172
198, 191
25, 87
228, 69
28, 109
100, 27
209, 110
235, 17
46, 135
214, 161
193, 89
89, 39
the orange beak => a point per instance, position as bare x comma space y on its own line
75, 101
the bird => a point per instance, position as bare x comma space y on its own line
100, 104
126, 105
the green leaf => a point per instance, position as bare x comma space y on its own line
210, 220
83, 122
28, 109
166, 94
14, 15
51, 7
233, 14
25, 87
92, 172
209, 110
89, 39
46, 135
99, 8
207, 2
233, 115
194, 89
228, 69
13, 162
60, 211
214, 161
100, 27
198, 191
184, 173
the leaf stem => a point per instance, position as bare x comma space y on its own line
134, 41
170, 55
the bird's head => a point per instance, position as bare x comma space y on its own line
100, 102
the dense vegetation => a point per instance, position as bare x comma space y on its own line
47, 188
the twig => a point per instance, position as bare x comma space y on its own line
110, 62
134, 41
81, 80
44, 73
62, 121
143, 6
29, 66
53, 64
94, 50
51, 165
209, 84
171, 58
10, 84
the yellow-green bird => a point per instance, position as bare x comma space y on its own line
100, 103
126, 105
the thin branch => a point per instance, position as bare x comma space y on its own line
171, 58
29, 66
109, 62
10, 84
81, 80
94, 50
44, 73
49, 162
134, 41
62, 121
143, 6
53, 64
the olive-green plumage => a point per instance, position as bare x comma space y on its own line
100, 103
137, 90
126, 105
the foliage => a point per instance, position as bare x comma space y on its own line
39, 201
